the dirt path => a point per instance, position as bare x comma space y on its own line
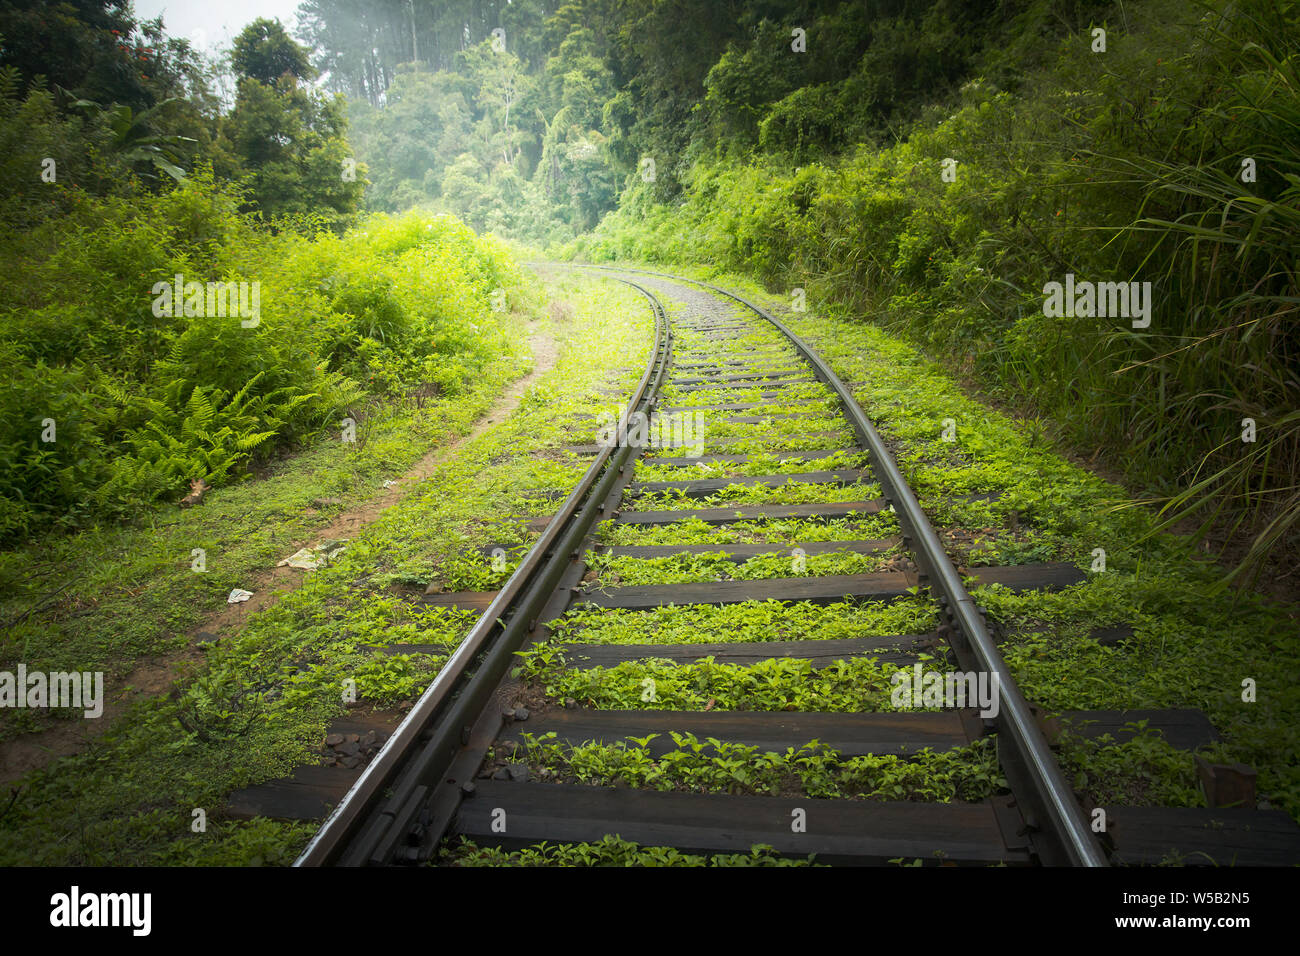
156, 675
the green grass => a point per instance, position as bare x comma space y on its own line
812, 770
680, 568
611, 851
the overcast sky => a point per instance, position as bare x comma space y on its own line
215, 23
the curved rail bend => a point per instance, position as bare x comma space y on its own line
410, 788
1064, 837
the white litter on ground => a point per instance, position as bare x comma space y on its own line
238, 595
309, 559
303, 559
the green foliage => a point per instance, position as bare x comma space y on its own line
533, 131
209, 436
1123, 166
611, 851
144, 402
264, 52
287, 141
1141, 771
967, 773
134, 137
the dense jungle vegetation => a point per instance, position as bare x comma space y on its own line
110, 406
291, 271
927, 165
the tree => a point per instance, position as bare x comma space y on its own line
264, 52
409, 142
500, 82
287, 141
95, 49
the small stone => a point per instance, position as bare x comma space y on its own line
349, 748
333, 740
508, 713
326, 502
355, 738
517, 771
570, 704
369, 739
521, 713
351, 762
501, 774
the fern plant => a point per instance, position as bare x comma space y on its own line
208, 435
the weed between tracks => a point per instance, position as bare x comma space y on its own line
771, 530
768, 464
749, 621
857, 685
611, 851
716, 766
623, 571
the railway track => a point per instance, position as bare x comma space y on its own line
797, 455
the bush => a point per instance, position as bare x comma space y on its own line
143, 403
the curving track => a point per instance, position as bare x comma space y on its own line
442, 774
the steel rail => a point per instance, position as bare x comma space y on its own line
529, 586
1064, 837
